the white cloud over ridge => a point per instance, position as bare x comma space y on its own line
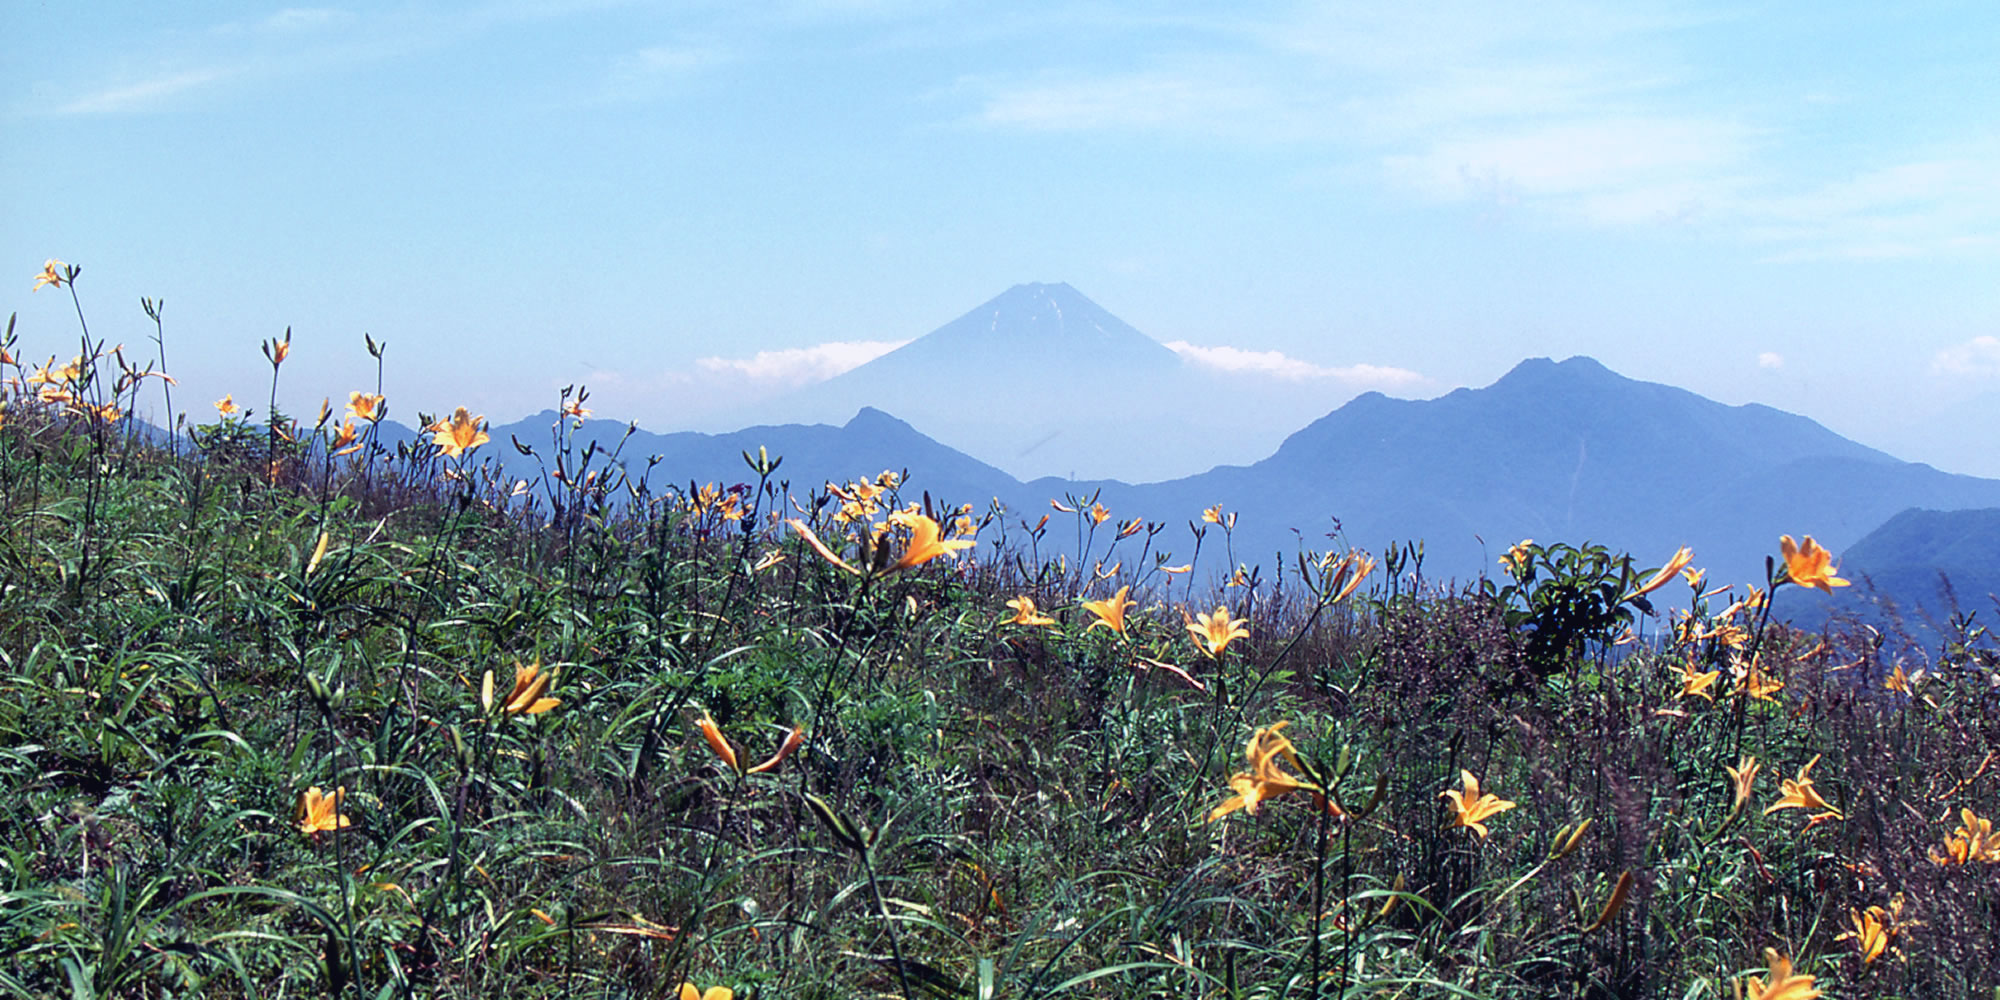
1978, 357
796, 366
1279, 365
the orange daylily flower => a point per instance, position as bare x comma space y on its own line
1799, 793
364, 406
1213, 632
1695, 683
1265, 779
689, 992
227, 406
343, 442
1972, 841
1517, 555
924, 544
1111, 611
1783, 983
526, 697
1809, 565
317, 811
462, 433
1870, 934
577, 410
1470, 808
1025, 613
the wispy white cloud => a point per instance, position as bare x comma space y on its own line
797, 366
1581, 112
1978, 357
1279, 365
142, 94
303, 18
1133, 101
1770, 359
655, 70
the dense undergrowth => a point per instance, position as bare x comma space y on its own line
280, 721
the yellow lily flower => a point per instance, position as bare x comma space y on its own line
227, 407
688, 992
1111, 611
1799, 793
317, 811
1517, 556
1809, 565
1783, 983
1025, 613
1213, 632
462, 433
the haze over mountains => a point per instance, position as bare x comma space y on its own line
1556, 451
1041, 381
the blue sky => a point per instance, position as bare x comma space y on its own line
680, 204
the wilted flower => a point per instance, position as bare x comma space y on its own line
1213, 632
1025, 613
526, 698
1809, 565
1111, 611
1470, 809
1799, 793
52, 274
462, 433
364, 406
317, 811
1783, 983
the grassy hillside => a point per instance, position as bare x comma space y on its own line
280, 721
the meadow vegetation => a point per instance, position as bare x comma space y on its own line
291, 713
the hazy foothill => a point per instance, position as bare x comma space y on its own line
1529, 690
